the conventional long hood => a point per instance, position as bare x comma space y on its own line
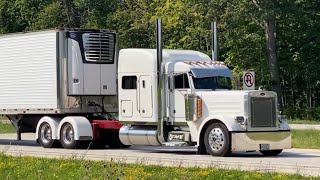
223, 102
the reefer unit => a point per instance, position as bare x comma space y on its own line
58, 71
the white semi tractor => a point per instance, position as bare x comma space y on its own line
64, 84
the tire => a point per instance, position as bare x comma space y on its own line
67, 137
217, 140
45, 136
117, 145
98, 145
115, 142
271, 152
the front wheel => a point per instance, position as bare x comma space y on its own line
217, 140
271, 152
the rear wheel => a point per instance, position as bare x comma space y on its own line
217, 140
45, 136
271, 152
67, 137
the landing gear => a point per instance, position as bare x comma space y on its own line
16, 121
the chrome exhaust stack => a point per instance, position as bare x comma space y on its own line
214, 41
161, 85
150, 134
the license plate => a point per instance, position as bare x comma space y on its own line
264, 147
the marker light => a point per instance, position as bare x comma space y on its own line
199, 107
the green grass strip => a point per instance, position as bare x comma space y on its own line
299, 121
42, 168
306, 138
6, 128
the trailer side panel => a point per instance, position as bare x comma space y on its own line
28, 71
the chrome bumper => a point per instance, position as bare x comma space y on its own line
251, 141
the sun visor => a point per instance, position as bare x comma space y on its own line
209, 72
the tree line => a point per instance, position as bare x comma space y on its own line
278, 39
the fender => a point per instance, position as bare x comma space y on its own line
81, 126
228, 121
54, 124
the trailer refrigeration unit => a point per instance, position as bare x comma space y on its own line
64, 84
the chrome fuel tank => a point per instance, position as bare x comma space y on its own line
139, 135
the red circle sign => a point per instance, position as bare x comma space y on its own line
248, 79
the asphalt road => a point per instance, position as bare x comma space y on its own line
301, 161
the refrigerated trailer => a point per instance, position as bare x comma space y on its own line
67, 85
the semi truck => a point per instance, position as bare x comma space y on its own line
75, 88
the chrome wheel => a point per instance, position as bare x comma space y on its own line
216, 139
67, 134
46, 133
45, 136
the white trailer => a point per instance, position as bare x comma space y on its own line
52, 79
64, 83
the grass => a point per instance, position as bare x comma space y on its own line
306, 138
299, 121
41, 168
6, 128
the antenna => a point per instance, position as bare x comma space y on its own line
214, 38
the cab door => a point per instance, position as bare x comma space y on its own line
145, 97
177, 97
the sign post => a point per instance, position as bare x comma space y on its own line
248, 80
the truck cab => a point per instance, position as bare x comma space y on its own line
199, 106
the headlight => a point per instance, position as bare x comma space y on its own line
240, 119
282, 118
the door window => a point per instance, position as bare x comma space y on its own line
181, 81
129, 82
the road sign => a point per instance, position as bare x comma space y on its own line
248, 80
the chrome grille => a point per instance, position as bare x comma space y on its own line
99, 47
263, 112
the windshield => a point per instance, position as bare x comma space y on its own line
217, 82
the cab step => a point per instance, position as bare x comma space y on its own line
175, 144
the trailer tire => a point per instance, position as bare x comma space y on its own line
45, 136
67, 137
217, 140
271, 152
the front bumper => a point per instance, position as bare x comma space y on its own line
254, 141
